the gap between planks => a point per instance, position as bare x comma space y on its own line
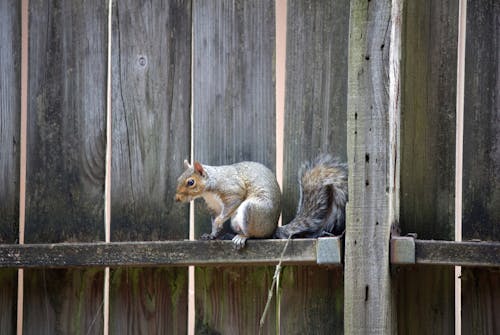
107, 181
22, 161
462, 22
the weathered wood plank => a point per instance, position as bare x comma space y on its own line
158, 253
428, 159
10, 91
65, 159
153, 301
481, 200
419, 293
8, 299
480, 301
311, 297
151, 78
234, 120
230, 300
63, 301
233, 85
481, 181
372, 169
428, 118
66, 121
450, 253
445, 252
316, 88
151, 62
311, 300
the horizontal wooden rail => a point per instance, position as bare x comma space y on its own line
328, 251
407, 250
170, 253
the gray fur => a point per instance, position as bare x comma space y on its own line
322, 199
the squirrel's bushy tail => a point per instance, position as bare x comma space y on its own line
323, 196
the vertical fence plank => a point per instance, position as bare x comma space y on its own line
234, 120
368, 296
428, 158
316, 88
10, 92
65, 159
481, 199
151, 77
150, 108
315, 122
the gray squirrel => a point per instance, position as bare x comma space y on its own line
246, 192
322, 199
249, 195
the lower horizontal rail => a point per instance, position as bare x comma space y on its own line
167, 253
407, 250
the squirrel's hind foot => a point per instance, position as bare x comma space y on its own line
239, 241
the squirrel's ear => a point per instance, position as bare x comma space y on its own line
199, 168
186, 164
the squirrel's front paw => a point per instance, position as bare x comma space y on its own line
239, 241
207, 237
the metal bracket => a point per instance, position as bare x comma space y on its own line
403, 250
329, 251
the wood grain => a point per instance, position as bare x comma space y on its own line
10, 91
481, 199
316, 88
230, 300
481, 195
157, 253
148, 301
65, 159
480, 301
368, 291
425, 300
151, 70
63, 301
311, 297
311, 300
457, 253
151, 78
234, 120
428, 158
428, 119
66, 115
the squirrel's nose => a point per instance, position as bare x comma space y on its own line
178, 198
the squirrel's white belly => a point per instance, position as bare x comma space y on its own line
214, 202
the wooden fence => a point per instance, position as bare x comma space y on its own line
373, 82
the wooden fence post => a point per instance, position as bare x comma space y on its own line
372, 150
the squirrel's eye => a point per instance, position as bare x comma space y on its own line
190, 182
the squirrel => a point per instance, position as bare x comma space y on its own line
246, 192
322, 200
